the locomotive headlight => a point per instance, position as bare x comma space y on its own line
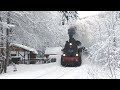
76, 54
70, 43
64, 55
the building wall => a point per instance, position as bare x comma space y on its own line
32, 55
21, 54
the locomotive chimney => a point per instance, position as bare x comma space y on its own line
71, 32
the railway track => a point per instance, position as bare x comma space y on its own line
54, 74
57, 73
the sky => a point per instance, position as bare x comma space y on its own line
87, 13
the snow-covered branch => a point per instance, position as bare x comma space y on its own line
7, 25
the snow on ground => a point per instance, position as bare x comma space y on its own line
55, 71
27, 71
51, 71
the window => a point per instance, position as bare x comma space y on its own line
13, 54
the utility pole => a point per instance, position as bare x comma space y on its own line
7, 43
2, 39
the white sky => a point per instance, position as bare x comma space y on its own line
87, 13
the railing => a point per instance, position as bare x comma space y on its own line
33, 61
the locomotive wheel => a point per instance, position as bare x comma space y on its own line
79, 62
62, 62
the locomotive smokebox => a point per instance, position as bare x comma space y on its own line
71, 31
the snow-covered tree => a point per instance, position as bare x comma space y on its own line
38, 29
69, 16
100, 33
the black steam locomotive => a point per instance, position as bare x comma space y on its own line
72, 52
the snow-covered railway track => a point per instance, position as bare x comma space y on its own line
44, 74
60, 71
70, 71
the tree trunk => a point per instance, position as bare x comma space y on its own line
7, 44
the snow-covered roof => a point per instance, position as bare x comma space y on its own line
53, 50
25, 47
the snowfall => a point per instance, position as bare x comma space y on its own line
99, 33
55, 71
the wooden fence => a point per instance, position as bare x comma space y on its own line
33, 61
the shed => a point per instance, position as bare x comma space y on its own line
53, 51
22, 51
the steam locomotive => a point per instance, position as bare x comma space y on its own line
72, 51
